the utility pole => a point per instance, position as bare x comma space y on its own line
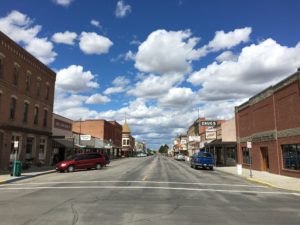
80, 131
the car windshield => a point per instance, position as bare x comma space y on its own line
205, 154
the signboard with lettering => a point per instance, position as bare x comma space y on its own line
194, 138
208, 123
183, 142
85, 137
62, 125
210, 134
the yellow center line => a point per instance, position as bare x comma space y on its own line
145, 178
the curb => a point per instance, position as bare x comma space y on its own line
261, 182
25, 177
249, 179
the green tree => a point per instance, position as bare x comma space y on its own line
163, 149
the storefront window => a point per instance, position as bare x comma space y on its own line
42, 149
29, 147
291, 156
246, 155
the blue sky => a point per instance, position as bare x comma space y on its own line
157, 61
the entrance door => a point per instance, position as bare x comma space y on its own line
265, 159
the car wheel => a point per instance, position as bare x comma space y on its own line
196, 167
211, 168
71, 168
99, 166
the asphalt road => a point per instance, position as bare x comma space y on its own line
152, 190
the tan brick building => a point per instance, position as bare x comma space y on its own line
128, 142
271, 121
26, 105
108, 131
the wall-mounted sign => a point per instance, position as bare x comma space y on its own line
249, 144
210, 134
85, 137
208, 123
194, 138
62, 125
183, 142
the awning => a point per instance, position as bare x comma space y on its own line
219, 143
59, 143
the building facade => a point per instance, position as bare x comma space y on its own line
193, 133
128, 141
110, 132
271, 122
63, 142
224, 146
26, 106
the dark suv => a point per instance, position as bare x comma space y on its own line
82, 161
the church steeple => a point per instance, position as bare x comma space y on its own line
125, 127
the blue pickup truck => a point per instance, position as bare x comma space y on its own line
202, 159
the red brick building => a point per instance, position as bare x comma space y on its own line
108, 131
26, 105
271, 121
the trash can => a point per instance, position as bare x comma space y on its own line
16, 169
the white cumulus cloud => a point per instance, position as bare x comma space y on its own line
257, 67
95, 23
226, 56
122, 9
167, 51
64, 3
97, 99
92, 43
66, 37
152, 86
75, 79
20, 28
178, 97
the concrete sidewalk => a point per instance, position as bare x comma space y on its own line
266, 178
6, 178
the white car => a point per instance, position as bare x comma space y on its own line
180, 157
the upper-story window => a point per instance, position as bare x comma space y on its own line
1, 65
47, 91
45, 118
36, 115
38, 88
13, 106
27, 81
25, 113
16, 74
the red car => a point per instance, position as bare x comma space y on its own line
82, 161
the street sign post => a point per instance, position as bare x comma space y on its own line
249, 146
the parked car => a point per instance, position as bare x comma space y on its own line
141, 155
82, 161
202, 159
179, 157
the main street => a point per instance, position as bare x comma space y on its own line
151, 190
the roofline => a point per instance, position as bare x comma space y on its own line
269, 91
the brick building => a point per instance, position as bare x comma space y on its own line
108, 131
271, 121
26, 105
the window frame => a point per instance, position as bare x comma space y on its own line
291, 156
12, 114
246, 155
25, 112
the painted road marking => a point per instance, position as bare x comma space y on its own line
154, 188
120, 181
